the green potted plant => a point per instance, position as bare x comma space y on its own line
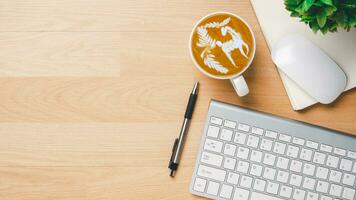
324, 15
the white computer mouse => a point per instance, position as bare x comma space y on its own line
309, 67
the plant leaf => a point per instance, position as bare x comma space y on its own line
314, 26
324, 15
321, 18
333, 27
329, 10
306, 5
318, 3
292, 2
352, 21
324, 29
341, 19
327, 2
294, 14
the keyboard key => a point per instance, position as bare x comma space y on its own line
216, 120
354, 169
282, 162
242, 166
308, 169
256, 195
351, 154
322, 186
335, 176
211, 159
322, 172
246, 181
230, 124
242, 152
292, 151
256, 156
335, 190
232, 178
332, 161
229, 163
241, 194
240, 138
226, 191
298, 141
346, 165
312, 144
348, 179
256, 170
282, 176
339, 151
213, 131
272, 188
319, 158
295, 180
295, 166
266, 144
226, 134
230, 149
259, 185
298, 194
348, 193
257, 131
285, 191
252, 141
325, 198
305, 154
213, 145
271, 134
213, 188
269, 159
199, 184
309, 183
312, 196
243, 127
279, 148
285, 138
212, 173
269, 173
325, 148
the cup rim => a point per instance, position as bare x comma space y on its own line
200, 68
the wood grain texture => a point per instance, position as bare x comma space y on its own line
80, 54
93, 93
111, 15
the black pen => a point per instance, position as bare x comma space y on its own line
179, 142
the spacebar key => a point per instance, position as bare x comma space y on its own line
212, 173
259, 196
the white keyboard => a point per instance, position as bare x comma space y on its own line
245, 155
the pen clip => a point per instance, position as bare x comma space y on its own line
174, 149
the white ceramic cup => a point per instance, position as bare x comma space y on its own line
237, 79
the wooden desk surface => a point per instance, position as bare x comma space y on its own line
92, 94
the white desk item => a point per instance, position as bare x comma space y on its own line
276, 23
309, 67
249, 155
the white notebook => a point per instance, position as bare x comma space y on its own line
275, 22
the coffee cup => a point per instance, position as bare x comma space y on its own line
222, 46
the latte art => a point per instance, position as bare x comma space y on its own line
222, 45
235, 43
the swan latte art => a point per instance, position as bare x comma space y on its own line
222, 45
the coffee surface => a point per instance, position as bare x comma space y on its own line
222, 45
